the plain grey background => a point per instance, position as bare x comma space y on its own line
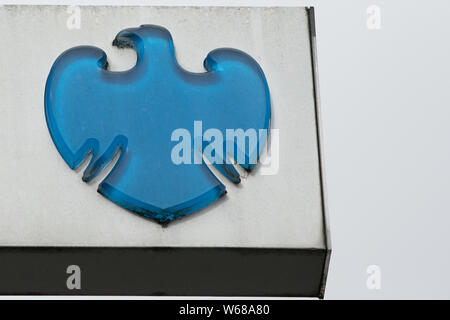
385, 113
385, 107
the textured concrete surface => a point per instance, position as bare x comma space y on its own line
43, 202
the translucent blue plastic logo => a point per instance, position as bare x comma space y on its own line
163, 120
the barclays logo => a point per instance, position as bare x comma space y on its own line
139, 114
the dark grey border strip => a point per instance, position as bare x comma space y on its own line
208, 271
315, 75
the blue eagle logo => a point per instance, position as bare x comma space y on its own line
134, 113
